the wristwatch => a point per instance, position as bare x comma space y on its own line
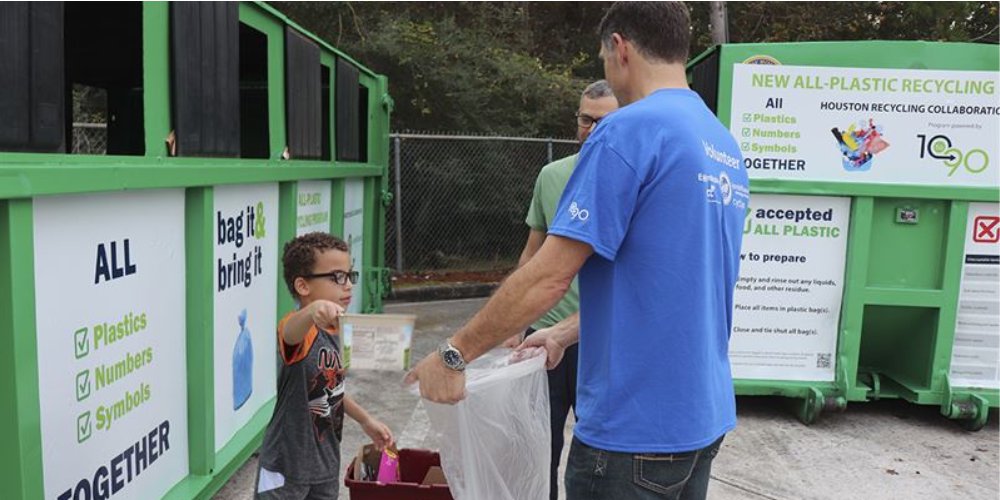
452, 357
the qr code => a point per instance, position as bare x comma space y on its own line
823, 360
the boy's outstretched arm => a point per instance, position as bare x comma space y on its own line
379, 433
322, 313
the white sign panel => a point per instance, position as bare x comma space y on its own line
974, 356
867, 125
245, 281
109, 294
354, 224
787, 301
313, 207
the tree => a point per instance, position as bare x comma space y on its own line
467, 67
518, 68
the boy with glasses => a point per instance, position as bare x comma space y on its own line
300, 457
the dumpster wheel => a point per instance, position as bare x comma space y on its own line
971, 411
972, 424
979, 415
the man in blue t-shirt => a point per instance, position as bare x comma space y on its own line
652, 219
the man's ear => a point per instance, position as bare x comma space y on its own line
622, 48
301, 286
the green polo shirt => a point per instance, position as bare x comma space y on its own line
542, 211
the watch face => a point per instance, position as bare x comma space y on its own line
451, 358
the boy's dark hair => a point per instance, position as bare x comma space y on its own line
659, 30
300, 255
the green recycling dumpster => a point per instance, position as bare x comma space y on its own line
870, 258
154, 159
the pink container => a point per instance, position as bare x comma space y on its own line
388, 467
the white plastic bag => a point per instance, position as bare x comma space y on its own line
495, 444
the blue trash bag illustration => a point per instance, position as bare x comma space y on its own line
242, 365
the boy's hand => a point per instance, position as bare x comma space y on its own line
326, 315
547, 338
379, 433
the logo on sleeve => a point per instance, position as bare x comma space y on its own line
576, 212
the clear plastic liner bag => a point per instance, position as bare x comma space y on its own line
495, 444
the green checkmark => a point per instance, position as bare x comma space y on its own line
82, 347
83, 427
747, 117
83, 385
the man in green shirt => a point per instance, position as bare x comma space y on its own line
596, 102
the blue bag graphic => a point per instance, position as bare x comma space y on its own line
242, 365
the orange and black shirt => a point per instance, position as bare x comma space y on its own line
302, 441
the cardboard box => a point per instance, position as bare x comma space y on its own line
434, 476
377, 341
415, 466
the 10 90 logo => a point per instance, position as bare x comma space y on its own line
940, 147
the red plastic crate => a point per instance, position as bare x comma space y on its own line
413, 466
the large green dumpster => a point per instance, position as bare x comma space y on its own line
870, 260
140, 280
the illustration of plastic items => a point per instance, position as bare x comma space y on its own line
877, 143
854, 159
242, 364
849, 141
844, 148
864, 162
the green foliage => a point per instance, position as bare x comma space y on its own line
518, 68
457, 66
452, 82
755, 22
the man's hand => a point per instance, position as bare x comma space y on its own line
379, 433
438, 383
514, 341
547, 338
326, 315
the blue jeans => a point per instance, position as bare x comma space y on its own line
593, 474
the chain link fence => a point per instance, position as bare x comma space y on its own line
460, 201
90, 138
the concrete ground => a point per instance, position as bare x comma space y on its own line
877, 450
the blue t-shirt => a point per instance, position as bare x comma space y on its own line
660, 194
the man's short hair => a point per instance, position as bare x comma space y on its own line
597, 90
300, 255
659, 30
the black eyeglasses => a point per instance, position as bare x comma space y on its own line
586, 121
338, 277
